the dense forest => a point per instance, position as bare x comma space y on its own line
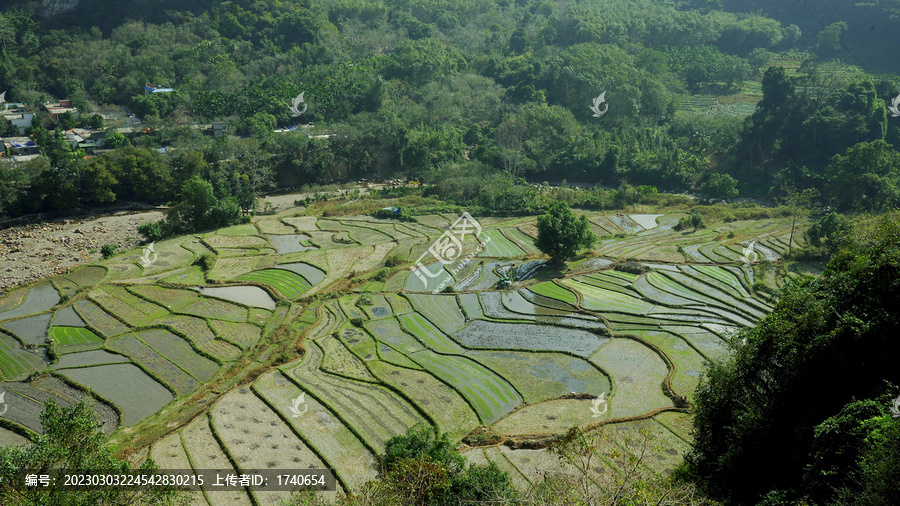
478, 96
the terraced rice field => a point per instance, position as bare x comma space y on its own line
289, 284
330, 379
72, 336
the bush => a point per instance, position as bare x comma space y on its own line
630, 266
365, 299
108, 250
393, 260
206, 261
152, 231
720, 186
695, 220
382, 275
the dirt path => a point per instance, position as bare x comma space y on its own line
33, 252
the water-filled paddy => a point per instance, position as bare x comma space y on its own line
41, 297
125, 385
93, 357
541, 376
312, 274
528, 269
32, 330
253, 296
67, 317
647, 221
289, 243
518, 336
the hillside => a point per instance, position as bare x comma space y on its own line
316, 302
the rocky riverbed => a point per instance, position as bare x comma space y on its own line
32, 252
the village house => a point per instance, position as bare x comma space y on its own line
85, 138
59, 108
18, 116
15, 146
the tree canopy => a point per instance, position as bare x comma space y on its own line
561, 234
72, 441
775, 411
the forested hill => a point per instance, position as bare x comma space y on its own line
723, 98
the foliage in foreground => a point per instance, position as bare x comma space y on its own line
803, 405
596, 467
72, 441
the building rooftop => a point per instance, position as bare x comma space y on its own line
18, 142
156, 88
61, 107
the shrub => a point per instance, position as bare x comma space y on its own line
720, 186
153, 231
382, 275
759, 286
393, 260
365, 299
206, 261
630, 266
695, 221
357, 322
108, 250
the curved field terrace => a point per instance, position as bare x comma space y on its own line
304, 346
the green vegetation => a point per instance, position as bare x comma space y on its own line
289, 284
470, 98
72, 442
421, 467
66, 336
561, 234
822, 332
108, 250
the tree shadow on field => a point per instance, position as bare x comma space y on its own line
554, 270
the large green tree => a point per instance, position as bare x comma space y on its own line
865, 177
422, 467
561, 234
720, 186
